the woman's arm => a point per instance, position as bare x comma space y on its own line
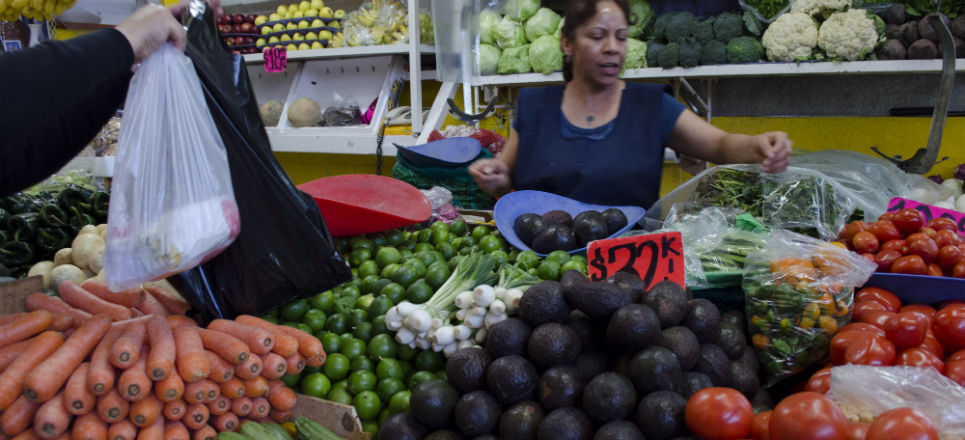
495, 176
695, 137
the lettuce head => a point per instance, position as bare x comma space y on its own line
544, 22
509, 33
641, 14
545, 55
514, 60
636, 54
487, 26
521, 9
487, 57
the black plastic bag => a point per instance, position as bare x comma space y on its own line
284, 251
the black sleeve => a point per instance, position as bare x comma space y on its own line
58, 95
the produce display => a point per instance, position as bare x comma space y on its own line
239, 32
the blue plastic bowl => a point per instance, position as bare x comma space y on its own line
922, 289
514, 204
449, 152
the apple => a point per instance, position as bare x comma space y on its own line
282, 10
230, 41
292, 8
304, 5
236, 28
260, 20
273, 40
274, 17
238, 18
298, 37
304, 46
325, 35
239, 41
226, 19
304, 24
265, 30
298, 14
317, 45
317, 23
250, 18
311, 36
249, 40
334, 24
278, 27
291, 25
311, 13
247, 28
291, 47
317, 4
260, 42
285, 37
325, 12
339, 13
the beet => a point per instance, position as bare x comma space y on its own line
922, 50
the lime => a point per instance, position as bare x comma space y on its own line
406, 353
293, 311
324, 301
513, 252
382, 346
429, 361
310, 370
361, 363
378, 326
339, 395
468, 250
548, 270
578, 257
363, 331
336, 366
291, 380
359, 241
399, 402
406, 367
352, 347
377, 288
419, 292
394, 237
527, 259
383, 415
315, 385
389, 368
500, 256
337, 323
479, 232
446, 249
424, 236
364, 301
331, 342
378, 240
389, 269
558, 256
355, 317
441, 375
359, 256
419, 377
405, 252
437, 274
371, 427
361, 380
407, 246
395, 292
440, 236
418, 265
459, 242
405, 275
368, 284
458, 227
387, 255
422, 247
454, 261
378, 307
341, 244
315, 319
425, 258
350, 291
355, 272
341, 384
301, 326
439, 225
389, 386
573, 264
368, 405
491, 243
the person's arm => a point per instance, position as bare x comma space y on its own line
695, 137
495, 176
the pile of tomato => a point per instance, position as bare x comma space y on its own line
903, 242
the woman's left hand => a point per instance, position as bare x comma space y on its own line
773, 150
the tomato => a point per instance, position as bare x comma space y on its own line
949, 326
847, 233
862, 326
894, 245
939, 223
719, 413
921, 358
906, 329
857, 430
908, 221
948, 256
876, 318
869, 256
840, 343
927, 310
860, 308
956, 356
958, 271
885, 259
924, 247
932, 345
910, 264
865, 242
760, 426
955, 370
820, 382
902, 424
884, 230
888, 216
935, 270
891, 301
807, 416
868, 349
947, 237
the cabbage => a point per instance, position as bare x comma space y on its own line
545, 55
636, 54
509, 33
521, 9
544, 22
487, 25
641, 14
559, 29
487, 58
514, 60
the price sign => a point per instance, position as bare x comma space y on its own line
276, 59
654, 258
928, 211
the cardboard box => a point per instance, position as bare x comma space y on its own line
12, 294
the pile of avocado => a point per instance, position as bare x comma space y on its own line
586, 360
558, 230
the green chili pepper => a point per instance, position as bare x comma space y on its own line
52, 216
4, 216
16, 253
23, 226
80, 219
52, 239
19, 203
99, 202
74, 196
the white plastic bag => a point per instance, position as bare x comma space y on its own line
172, 203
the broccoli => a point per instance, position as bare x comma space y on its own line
669, 56
660, 24
727, 26
743, 50
714, 52
704, 30
689, 54
680, 27
641, 14
653, 52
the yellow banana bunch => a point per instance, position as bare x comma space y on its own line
367, 17
12, 10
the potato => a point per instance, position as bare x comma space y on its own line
66, 272
83, 245
64, 256
43, 269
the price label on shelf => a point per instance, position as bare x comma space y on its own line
928, 211
654, 258
276, 59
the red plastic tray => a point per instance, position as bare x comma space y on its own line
354, 204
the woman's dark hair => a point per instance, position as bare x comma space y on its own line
577, 13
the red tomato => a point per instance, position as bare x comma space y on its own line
869, 349
949, 326
885, 258
820, 382
876, 318
935, 270
865, 242
924, 309
906, 329
860, 308
894, 245
910, 264
760, 426
929, 232
939, 223
719, 413
891, 301
958, 271
847, 233
857, 430
888, 216
921, 358
902, 424
840, 343
924, 247
948, 256
932, 345
947, 237
862, 326
955, 370
807, 416
956, 356
884, 230
908, 221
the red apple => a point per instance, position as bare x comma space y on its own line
236, 28
247, 28
249, 40
230, 41
226, 19
250, 18
239, 41
238, 18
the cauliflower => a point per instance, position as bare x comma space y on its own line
850, 35
791, 37
823, 7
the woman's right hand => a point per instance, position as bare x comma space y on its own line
492, 175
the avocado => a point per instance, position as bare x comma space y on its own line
402, 426
589, 226
655, 369
734, 317
565, 424
477, 413
558, 217
444, 434
732, 340
572, 277
630, 282
527, 226
715, 364
432, 403
521, 421
543, 302
750, 361
609, 396
683, 343
693, 382
744, 380
615, 220
466, 369
633, 327
670, 302
512, 379
704, 320
561, 386
588, 330
507, 337
598, 300
660, 415
591, 363
588, 215
553, 344
618, 430
554, 237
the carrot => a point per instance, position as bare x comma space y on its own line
213, 389
206, 432
43, 382
295, 364
26, 326
221, 370
285, 344
308, 345
226, 422
256, 387
124, 323
145, 411
280, 396
100, 375
280, 416
133, 384
11, 352
127, 348
250, 369
89, 427
151, 306
259, 340
26, 435
180, 321
12, 377
123, 430
195, 392
77, 296
160, 363
111, 407
170, 388
52, 418
77, 399
273, 365
316, 361
225, 345
259, 407
175, 430
196, 416
61, 322
171, 302
53, 304
154, 431
18, 416
128, 298
7, 319
241, 406
174, 409
233, 388
192, 360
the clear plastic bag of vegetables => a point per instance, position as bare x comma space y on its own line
798, 291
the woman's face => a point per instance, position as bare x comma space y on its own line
600, 46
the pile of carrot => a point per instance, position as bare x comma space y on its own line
96, 364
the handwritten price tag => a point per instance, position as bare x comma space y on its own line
928, 211
654, 257
276, 59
